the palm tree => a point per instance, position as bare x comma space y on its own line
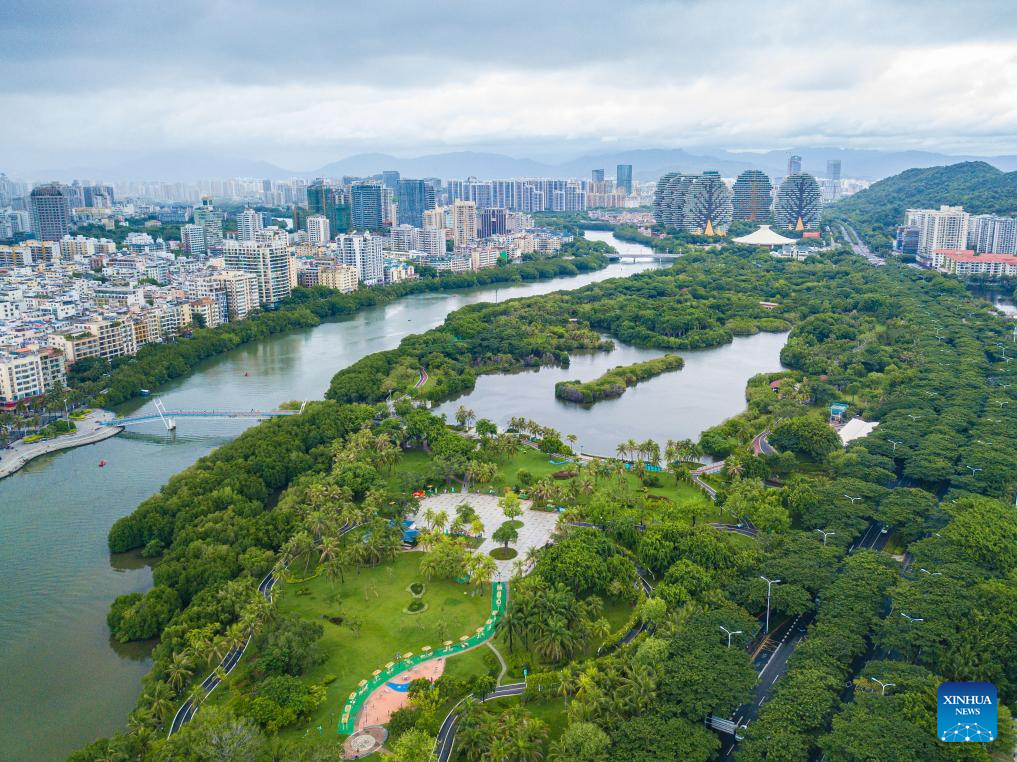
160, 700
572, 439
218, 650
482, 569
556, 640
735, 469
179, 670
638, 690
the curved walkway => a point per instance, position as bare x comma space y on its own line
95, 427
355, 701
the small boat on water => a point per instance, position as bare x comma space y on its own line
102, 463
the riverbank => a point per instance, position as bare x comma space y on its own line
90, 430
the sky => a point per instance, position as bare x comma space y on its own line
303, 83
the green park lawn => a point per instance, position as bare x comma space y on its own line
376, 598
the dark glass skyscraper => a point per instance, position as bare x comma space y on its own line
366, 206
624, 178
324, 199
597, 175
51, 211
413, 198
390, 179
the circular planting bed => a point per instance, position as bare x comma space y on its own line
416, 589
364, 742
504, 554
516, 523
415, 607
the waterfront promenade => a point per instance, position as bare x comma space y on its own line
91, 429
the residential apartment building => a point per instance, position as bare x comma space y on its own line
318, 233
340, 277
268, 259
965, 262
992, 233
241, 290
51, 211
945, 228
464, 222
248, 225
27, 374
364, 252
98, 337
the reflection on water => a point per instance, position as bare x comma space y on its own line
676, 405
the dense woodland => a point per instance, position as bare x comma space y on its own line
907, 348
614, 382
156, 364
876, 211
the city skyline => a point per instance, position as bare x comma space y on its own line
587, 79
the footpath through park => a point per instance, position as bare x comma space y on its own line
355, 702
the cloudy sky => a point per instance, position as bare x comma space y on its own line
301, 83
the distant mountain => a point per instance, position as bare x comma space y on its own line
648, 164
859, 163
976, 185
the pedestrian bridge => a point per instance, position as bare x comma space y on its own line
169, 417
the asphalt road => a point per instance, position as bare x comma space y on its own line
447, 733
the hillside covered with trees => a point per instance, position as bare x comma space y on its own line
876, 211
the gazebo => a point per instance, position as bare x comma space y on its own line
764, 237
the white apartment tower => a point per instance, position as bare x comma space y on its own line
248, 225
364, 252
945, 228
267, 258
318, 230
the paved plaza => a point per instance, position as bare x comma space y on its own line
537, 528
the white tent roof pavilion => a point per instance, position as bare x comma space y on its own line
764, 237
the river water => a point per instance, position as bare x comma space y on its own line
63, 681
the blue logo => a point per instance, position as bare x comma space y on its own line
966, 712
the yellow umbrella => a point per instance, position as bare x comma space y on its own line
464, 637
390, 665
353, 697
376, 673
425, 649
448, 642
362, 683
407, 656
480, 630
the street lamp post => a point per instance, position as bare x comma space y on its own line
825, 534
852, 499
882, 685
912, 619
769, 584
729, 634
895, 442
972, 469
931, 573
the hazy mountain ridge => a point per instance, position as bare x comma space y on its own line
648, 164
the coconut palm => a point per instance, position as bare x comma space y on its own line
160, 700
179, 670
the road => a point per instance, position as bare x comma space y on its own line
771, 664
874, 538
761, 445
859, 247
447, 733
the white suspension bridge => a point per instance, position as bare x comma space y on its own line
169, 417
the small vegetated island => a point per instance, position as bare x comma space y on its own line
614, 383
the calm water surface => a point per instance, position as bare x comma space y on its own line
62, 682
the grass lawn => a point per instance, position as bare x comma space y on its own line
377, 597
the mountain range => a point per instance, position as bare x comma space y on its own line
648, 164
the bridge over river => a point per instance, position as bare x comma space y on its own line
169, 417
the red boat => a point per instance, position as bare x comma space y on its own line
102, 463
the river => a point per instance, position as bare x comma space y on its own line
64, 683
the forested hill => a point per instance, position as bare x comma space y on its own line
979, 187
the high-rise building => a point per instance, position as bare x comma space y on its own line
670, 197
492, 222
248, 225
708, 207
623, 179
794, 164
464, 222
267, 258
364, 252
597, 175
99, 196
51, 211
833, 178
753, 196
431, 241
390, 179
340, 277
192, 237
24, 375
324, 199
414, 197
434, 218
367, 205
210, 218
991, 234
943, 228
799, 202
240, 290
318, 229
